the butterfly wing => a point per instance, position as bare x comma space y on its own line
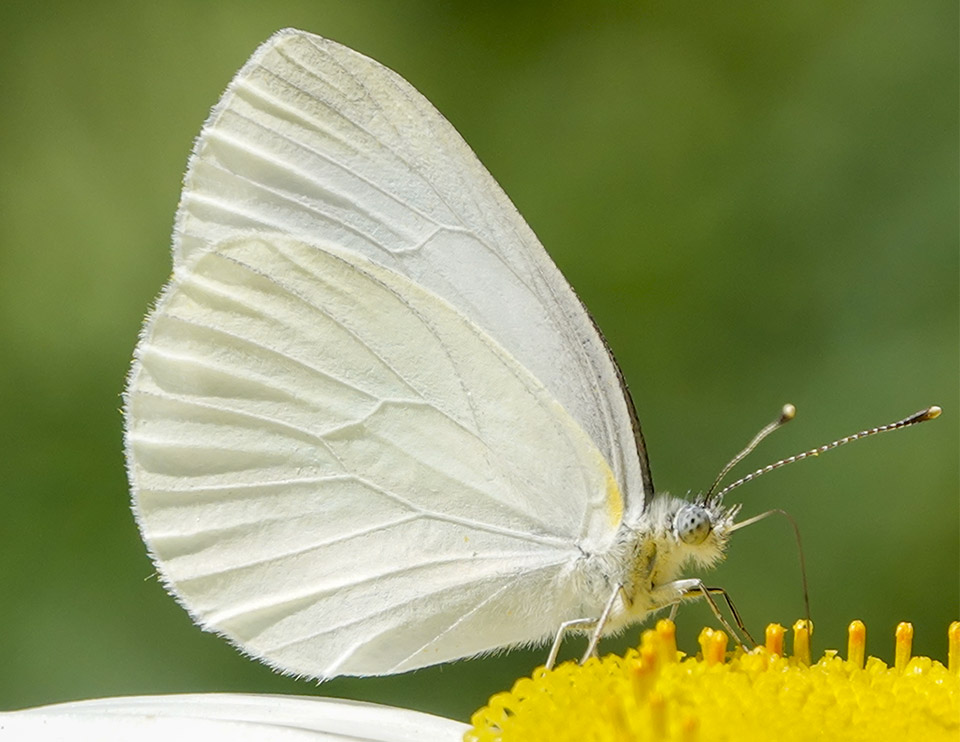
341, 473
321, 143
369, 426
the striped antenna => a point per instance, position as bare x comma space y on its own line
918, 417
787, 413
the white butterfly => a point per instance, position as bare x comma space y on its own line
370, 427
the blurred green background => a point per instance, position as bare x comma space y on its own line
758, 202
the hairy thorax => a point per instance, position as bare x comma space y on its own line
644, 564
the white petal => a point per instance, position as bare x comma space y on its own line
230, 717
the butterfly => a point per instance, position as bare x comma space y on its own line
369, 425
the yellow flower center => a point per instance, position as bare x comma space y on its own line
654, 692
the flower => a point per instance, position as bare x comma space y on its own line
226, 717
656, 693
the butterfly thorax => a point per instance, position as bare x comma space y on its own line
651, 553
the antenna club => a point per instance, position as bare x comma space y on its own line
931, 413
789, 412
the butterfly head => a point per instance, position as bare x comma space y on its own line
700, 529
674, 532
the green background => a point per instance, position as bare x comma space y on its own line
758, 202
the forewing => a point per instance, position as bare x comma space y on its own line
340, 472
320, 143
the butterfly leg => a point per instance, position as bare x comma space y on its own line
576, 623
596, 624
601, 622
695, 588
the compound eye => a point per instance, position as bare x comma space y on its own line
692, 524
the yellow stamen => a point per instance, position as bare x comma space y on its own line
802, 630
773, 639
621, 726
713, 646
953, 647
667, 635
856, 643
658, 715
642, 679
904, 645
703, 639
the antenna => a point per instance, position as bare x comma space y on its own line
786, 415
918, 417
